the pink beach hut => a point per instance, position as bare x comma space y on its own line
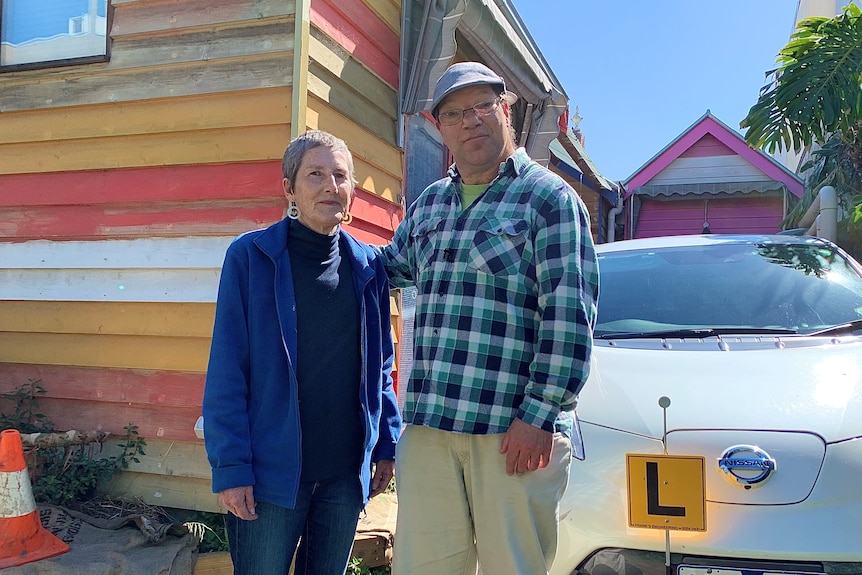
708, 180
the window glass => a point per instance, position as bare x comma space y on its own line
801, 287
426, 157
43, 31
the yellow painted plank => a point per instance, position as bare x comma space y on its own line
389, 11
211, 146
161, 115
246, 38
166, 491
118, 318
138, 18
124, 351
378, 165
379, 121
218, 563
348, 85
86, 85
363, 145
163, 457
159, 149
375, 180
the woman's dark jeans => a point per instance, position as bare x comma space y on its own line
323, 523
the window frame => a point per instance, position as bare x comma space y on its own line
64, 62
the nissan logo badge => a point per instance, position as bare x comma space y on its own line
747, 464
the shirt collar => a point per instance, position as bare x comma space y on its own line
516, 163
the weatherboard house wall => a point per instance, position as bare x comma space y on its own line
122, 183
708, 180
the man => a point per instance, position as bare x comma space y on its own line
501, 253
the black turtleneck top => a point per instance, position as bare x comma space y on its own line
329, 362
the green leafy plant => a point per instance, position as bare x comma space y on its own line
75, 472
24, 415
355, 567
210, 530
65, 472
133, 445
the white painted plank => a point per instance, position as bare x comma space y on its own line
183, 252
707, 170
128, 285
183, 269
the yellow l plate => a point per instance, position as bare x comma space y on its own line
666, 491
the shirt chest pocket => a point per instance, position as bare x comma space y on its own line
425, 237
498, 247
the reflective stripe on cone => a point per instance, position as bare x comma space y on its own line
22, 537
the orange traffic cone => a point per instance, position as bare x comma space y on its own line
22, 537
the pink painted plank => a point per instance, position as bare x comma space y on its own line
707, 147
730, 215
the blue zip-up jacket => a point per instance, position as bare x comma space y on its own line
250, 408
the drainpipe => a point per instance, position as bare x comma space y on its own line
821, 219
827, 221
612, 219
299, 81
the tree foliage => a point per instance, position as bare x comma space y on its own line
813, 101
816, 89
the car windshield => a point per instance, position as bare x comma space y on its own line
728, 287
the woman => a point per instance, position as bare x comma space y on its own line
298, 404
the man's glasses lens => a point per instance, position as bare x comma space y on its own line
452, 117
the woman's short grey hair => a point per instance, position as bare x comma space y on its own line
297, 148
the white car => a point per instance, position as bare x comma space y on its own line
722, 420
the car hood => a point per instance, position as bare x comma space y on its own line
780, 384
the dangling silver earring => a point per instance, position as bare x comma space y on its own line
348, 217
293, 211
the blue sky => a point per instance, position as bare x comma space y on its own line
643, 71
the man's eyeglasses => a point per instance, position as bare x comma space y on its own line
452, 117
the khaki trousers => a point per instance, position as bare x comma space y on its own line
457, 508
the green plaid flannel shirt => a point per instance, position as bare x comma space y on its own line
507, 293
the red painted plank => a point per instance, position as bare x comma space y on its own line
158, 388
375, 210
162, 183
222, 199
369, 234
83, 222
361, 32
153, 421
162, 219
